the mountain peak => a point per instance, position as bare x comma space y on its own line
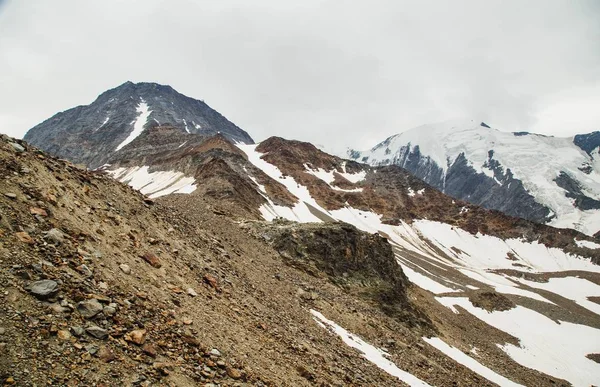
90, 134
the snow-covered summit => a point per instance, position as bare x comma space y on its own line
471, 161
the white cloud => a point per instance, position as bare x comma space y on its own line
354, 71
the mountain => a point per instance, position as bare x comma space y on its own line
91, 134
541, 178
304, 268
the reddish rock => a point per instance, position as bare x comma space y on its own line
137, 336
212, 281
152, 259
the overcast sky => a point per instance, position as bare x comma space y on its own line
341, 73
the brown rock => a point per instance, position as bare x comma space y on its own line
105, 354
150, 350
137, 336
152, 259
212, 281
234, 373
24, 237
63, 334
38, 211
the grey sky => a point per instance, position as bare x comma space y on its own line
338, 73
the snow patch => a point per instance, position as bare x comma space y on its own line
154, 184
554, 348
587, 244
369, 352
138, 124
469, 362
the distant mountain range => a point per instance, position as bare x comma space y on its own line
541, 178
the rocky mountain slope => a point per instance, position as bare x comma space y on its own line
91, 134
279, 264
540, 178
102, 286
466, 259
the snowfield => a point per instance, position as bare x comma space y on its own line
154, 184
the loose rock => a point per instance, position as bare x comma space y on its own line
55, 236
24, 237
77, 331
125, 268
137, 336
192, 292
152, 259
97, 332
89, 308
17, 147
43, 289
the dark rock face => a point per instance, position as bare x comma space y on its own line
502, 192
588, 142
345, 254
355, 260
573, 188
90, 134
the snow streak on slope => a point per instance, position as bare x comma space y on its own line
534, 159
328, 177
138, 124
300, 212
469, 362
556, 348
369, 352
154, 184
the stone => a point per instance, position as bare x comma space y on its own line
10, 195
77, 331
125, 268
2, 331
212, 281
24, 237
105, 354
152, 259
110, 310
92, 349
55, 236
17, 147
150, 350
58, 308
38, 211
89, 308
233, 373
192, 292
44, 288
63, 334
97, 332
214, 352
85, 270
137, 336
